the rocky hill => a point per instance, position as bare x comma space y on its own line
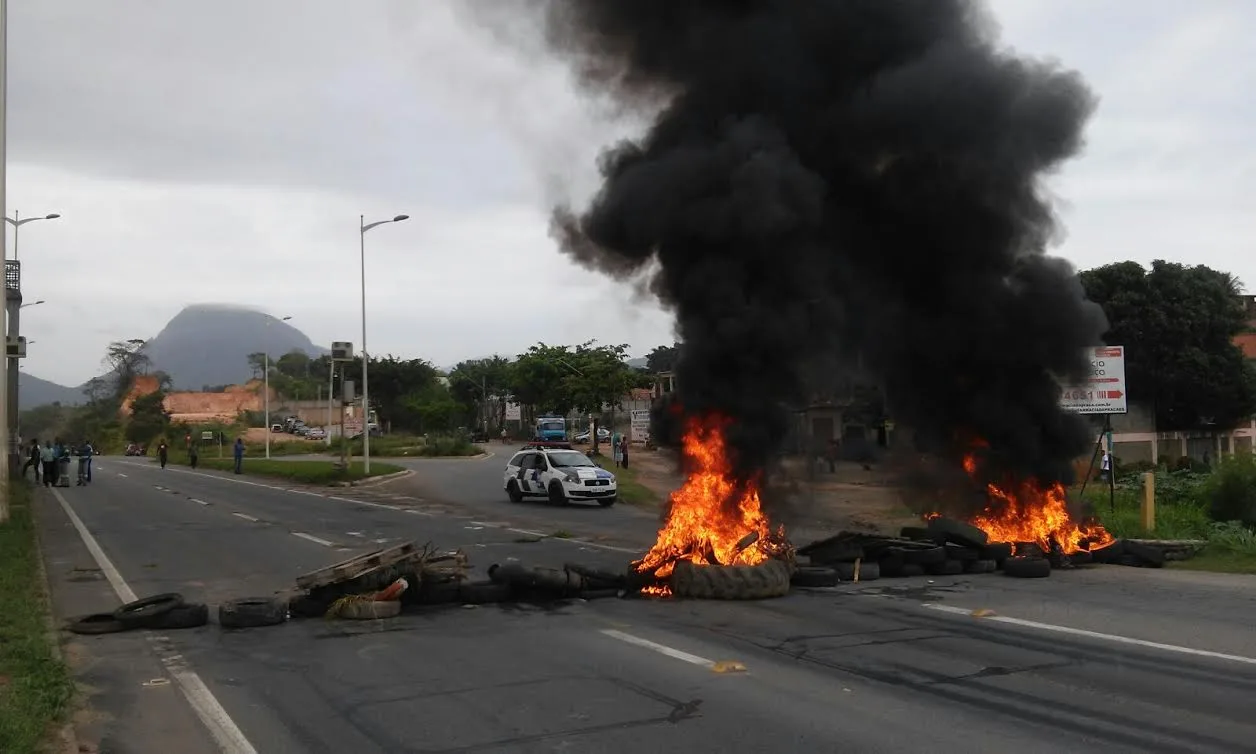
205, 344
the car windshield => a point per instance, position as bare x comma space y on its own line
568, 459
549, 426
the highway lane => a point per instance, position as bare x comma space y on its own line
867, 667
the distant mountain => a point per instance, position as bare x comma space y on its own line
33, 391
209, 344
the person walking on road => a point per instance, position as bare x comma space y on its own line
194, 455
163, 453
84, 457
238, 451
48, 456
33, 460
616, 450
91, 451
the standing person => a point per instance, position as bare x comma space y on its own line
835, 451
62, 454
194, 454
617, 451
32, 460
1105, 468
48, 456
84, 453
238, 451
163, 453
91, 451
623, 451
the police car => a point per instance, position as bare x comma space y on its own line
554, 471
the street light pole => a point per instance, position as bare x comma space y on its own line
363, 227
266, 386
17, 223
4, 373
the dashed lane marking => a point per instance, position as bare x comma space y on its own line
663, 649
245, 516
314, 539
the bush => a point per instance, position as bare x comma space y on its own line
1230, 491
309, 472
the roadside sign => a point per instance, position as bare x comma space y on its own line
207, 434
514, 412
1104, 392
640, 425
353, 427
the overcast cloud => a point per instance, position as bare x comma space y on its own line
222, 152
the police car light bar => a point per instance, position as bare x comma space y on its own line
541, 444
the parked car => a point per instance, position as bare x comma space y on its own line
603, 435
133, 449
561, 475
316, 433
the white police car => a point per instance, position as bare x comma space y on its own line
558, 473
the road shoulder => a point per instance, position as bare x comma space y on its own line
126, 699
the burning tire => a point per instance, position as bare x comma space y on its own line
958, 532
736, 582
916, 532
814, 576
997, 551
1021, 567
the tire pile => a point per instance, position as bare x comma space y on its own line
944, 547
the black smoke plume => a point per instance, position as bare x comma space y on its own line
849, 178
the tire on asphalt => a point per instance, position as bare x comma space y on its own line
556, 494
891, 567
980, 566
143, 613
1081, 557
307, 606
997, 551
736, 582
961, 553
868, 571
945, 568
923, 556
814, 576
1110, 554
1145, 555
252, 612
187, 615
607, 502
959, 532
96, 624
1020, 567
912, 570
483, 593
513, 493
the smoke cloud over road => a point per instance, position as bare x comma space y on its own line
842, 181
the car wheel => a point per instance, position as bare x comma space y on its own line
607, 502
512, 491
556, 494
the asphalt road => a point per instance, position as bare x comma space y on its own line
1102, 660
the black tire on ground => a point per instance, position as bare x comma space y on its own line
1020, 567
187, 615
431, 592
996, 551
143, 613
512, 492
1028, 550
959, 532
891, 567
1081, 557
916, 532
252, 612
912, 570
1110, 554
96, 624
483, 593
961, 553
923, 556
1146, 555
868, 571
556, 494
738, 582
945, 568
814, 576
980, 566
607, 502
306, 606
369, 610
837, 552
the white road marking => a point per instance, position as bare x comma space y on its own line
222, 728
1114, 638
662, 649
122, 475
355, 534
417, 512
245, 516
159, 488
528, 532
312, 538
198, 502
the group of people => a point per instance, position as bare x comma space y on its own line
51, 462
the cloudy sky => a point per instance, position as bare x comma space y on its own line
223, 151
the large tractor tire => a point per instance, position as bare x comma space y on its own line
738, 582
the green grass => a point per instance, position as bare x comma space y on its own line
309, 472
410, 446
36, 690
631, 491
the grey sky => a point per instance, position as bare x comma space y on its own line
223, 151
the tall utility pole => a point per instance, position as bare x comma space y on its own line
13, 301
266, 385
363, 227
4, 161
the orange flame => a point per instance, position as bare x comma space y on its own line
1036, 514
712, 518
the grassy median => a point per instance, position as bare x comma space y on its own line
307, 472
631, 491
36, 690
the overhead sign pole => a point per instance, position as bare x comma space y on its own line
1103, 393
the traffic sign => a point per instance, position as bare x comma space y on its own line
1104, 391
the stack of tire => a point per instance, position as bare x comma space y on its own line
162, 612
944, 547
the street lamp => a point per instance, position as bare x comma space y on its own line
33, 303
16, 222
266, 385
364, 226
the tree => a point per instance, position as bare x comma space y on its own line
393, 381
149, 419
1178, 325
124, 361
257, 362
472, 382
662, 358
539, 378
294, 364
